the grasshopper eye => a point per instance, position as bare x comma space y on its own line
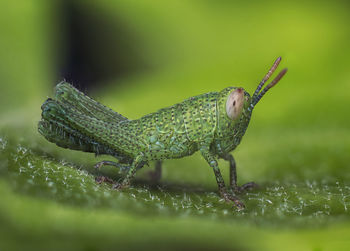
234, 103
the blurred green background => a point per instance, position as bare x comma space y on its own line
139, 56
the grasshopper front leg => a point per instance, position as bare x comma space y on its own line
233, 176
212, 161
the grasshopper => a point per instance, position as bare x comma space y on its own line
212, 123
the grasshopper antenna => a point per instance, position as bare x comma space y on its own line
257, 96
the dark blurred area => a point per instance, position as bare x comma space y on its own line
97, 48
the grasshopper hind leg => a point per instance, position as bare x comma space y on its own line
111, 163
136, 164
154, 175
100, 179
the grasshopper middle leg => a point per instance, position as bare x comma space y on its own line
157, 173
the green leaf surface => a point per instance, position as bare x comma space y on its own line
296, 147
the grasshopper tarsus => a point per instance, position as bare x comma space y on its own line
102, 179
119, 186
228, 197
248, 186
245, 187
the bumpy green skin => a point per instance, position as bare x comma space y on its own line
75, 121
182, 129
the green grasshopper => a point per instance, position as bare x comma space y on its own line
212, 123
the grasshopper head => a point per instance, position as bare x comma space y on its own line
233, 116
235, 105
238, 99
233, 108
